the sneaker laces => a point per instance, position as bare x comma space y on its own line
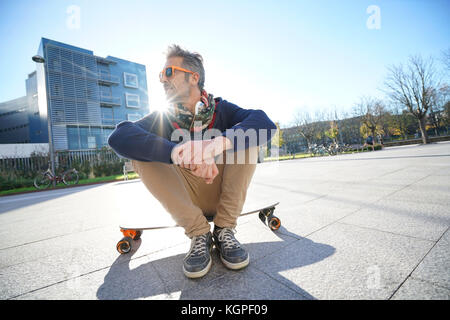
226, 236
198, 245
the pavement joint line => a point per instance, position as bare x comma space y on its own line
290, 236
54, 237
361, 207
328, 195
389, 232
278, 281
91, 272
41, 194
291, 190
391, 172
278, 250
33, 260
429, 282
58, 282
253, 267
409, 275
166, 288
386, 196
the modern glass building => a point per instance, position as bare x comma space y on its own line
14, 122
86, 95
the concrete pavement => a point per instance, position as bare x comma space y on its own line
362, 226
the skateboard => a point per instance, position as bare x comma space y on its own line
132, 232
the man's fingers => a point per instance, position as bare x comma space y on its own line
177, 154
215, 170
205, 171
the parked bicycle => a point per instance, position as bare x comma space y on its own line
45, 179
320, 150
333, 149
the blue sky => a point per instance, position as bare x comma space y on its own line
279, 56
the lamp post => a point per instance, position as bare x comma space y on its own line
39, 59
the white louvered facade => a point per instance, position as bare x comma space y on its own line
86, 94
73, 92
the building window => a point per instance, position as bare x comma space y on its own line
84, 133
132, 100
73, 138
105, 136
130, 80
107, 115
91, 142
105, 91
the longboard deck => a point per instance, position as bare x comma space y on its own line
172, 224
141, 211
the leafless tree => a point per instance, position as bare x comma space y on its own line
446, 58
414, 87
304, 123
372, 113
400, 121
310, 127
438, 115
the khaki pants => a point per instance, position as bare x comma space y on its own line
188, 198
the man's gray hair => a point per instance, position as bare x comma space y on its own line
191, 60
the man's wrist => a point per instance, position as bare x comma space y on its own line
172, 153
223, 142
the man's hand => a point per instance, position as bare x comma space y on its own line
198, 156
206, 171
197, 152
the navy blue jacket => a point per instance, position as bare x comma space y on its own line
149, 139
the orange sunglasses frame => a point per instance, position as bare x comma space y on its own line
163, 73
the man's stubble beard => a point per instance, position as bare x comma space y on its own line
179, 97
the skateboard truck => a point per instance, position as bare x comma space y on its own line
267, 217
124, 245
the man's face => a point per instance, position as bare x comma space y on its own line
177, 88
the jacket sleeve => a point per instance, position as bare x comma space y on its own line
247, 127
134, 140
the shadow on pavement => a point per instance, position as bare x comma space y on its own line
14, 202
165, 276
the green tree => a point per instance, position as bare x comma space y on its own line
277, 139
333, 132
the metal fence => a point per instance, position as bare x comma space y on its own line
65, 159
23, 164
91, 156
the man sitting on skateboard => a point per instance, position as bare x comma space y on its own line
206, 175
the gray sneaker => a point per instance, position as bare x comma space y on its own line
198, 260
232, 254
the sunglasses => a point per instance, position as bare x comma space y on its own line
170, 71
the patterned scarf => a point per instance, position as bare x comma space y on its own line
181, 117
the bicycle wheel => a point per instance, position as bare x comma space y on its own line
70, 177
42, 181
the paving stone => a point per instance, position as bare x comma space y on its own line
346, 262
435, 267
247, 284
416, 289
422, 220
